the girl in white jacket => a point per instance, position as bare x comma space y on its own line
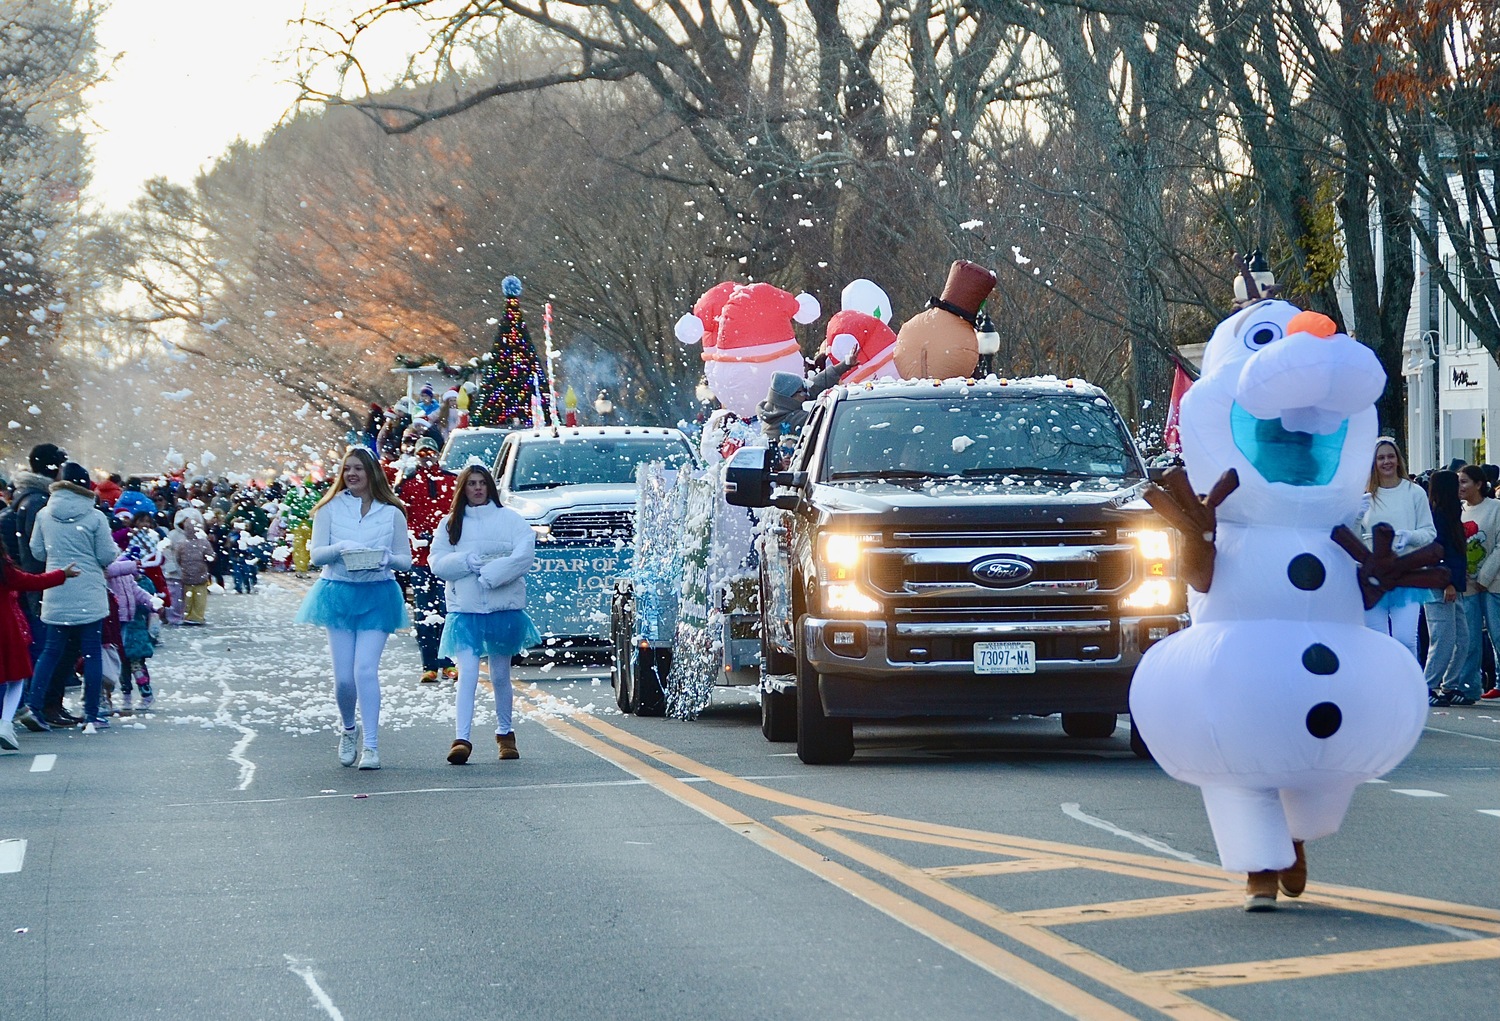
357, 598
1403, 505
483, 551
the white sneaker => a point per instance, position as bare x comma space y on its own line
8, 736
369, 759
349, 745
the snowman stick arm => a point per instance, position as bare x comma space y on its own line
1381, 570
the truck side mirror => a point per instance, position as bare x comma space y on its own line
747, 477
789, 491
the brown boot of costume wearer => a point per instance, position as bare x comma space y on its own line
1294, 876
459, 753
507, 743
1260, 890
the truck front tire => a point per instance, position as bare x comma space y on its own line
1089, 725
778, 715
821, 741
1138, 744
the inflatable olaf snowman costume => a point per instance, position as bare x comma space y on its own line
1278, 702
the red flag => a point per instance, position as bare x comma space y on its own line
1170, 434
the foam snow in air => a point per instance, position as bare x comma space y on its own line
253, 671
962, 443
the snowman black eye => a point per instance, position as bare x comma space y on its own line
1261, 334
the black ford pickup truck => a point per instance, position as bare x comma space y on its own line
955, 549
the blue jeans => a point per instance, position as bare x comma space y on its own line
65, 643
244, 575
1481, 610
1447, 646
429, 603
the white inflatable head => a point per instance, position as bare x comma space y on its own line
1288, 402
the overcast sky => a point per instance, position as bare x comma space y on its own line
194, 76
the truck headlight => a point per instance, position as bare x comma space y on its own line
847, 598
842, 550
1151, 594
1154, 543
543, 532
839, 554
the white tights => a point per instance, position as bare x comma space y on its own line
12, 700
1400, 623
356, 677
467, 662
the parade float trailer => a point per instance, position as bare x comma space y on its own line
685, 616
955, 549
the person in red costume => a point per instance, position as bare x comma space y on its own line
15, 637
428, 495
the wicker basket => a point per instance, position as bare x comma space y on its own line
362, 559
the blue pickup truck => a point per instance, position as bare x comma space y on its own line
577, 488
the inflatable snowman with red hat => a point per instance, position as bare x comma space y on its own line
1278, 702
747, 336
860, 331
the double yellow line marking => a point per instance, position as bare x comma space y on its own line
836, 829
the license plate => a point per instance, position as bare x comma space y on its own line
1005, 657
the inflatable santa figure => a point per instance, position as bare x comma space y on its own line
940, 341
754, 339
860, 331
1278, 702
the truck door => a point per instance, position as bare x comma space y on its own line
776, 551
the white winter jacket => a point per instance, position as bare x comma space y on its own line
338, 525
505, 542
1406, 509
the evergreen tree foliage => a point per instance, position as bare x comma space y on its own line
514, 374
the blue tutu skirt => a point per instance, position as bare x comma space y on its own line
354, 606
1396, 598
502, 633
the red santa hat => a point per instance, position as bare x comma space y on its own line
702, 323
867, 340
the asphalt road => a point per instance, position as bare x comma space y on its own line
212, 860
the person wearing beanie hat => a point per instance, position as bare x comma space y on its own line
47, 459
781, 414
427, 400
29, 495
71, 529
190, 549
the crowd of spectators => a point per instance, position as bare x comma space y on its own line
96, 569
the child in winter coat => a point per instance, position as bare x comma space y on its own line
134, 599
191, 552
15, 638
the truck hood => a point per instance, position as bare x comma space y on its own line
541, 505
1049, 501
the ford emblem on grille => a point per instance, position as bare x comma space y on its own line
1002, 571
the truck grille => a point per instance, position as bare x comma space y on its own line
593, 528
895, 574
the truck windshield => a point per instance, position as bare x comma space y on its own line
592, 461
980, 435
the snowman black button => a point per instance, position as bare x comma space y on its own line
1324, 719
1320, 659
1306, 572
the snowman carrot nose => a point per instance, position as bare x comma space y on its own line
1315, 323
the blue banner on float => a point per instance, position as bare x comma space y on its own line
568, 591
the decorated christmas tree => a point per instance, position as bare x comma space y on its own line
513, 388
